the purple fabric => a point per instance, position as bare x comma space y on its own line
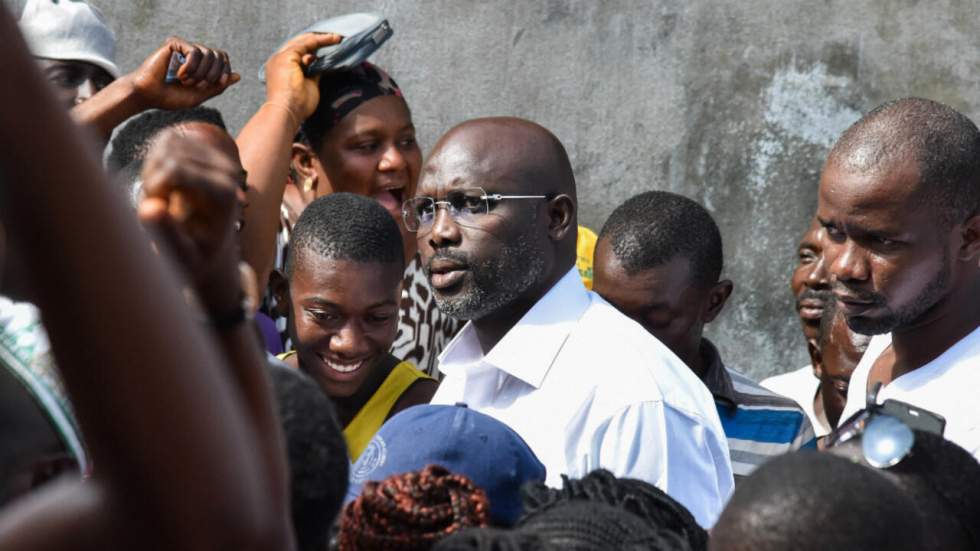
273, 344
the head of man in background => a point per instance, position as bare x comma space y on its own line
796, 503
900, 201
659, 260
810, 282
133, 141
74, 46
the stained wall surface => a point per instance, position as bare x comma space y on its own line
734, 104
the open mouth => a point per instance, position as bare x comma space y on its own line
391, 198
343, 366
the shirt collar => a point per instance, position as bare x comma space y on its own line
528, 350
716, 377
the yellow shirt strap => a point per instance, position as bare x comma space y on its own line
374, 413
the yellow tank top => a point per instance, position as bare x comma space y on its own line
369, 419
585, 248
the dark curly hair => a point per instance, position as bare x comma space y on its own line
412, 511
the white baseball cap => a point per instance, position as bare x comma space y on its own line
69, 30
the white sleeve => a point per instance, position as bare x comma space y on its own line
674, 452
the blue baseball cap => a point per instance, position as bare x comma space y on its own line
459, 439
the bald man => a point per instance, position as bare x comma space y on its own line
900, 200
585, 386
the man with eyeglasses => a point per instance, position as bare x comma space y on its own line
585, 386
900, 200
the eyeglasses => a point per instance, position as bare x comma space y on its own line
884, 432
466, 206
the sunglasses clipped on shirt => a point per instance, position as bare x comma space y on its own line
882, 435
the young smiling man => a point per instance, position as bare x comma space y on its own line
900, 200
495, 217
344, 274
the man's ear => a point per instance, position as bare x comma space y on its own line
970, 249
561, 217
279, 289
303, 170
716, 299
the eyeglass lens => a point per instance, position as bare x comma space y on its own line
463, 205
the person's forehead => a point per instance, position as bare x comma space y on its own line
477, 157
213, 136
346, 281
891, 189
73, 64
660, 283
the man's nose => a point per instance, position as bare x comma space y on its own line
392, 159
818, 278
444, 230
349, 341
849, 262
85, 91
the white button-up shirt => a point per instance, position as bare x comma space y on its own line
587, 387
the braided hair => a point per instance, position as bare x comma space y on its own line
644, 500
412, 511
580, 525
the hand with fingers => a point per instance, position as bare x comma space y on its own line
205, 73
286, 82
192, 202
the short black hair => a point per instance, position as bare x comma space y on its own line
813, 501
653, 228
943, 142
317, 454
131, 144
345, 226
640, 498
943, 479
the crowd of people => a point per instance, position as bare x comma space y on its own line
308, 336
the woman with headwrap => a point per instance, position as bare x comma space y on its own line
344, 131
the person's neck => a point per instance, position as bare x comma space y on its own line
490, 329
348, 407
956, 317
697, 359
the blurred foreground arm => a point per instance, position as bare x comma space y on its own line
170, 438
192, 198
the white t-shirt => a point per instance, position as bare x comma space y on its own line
801, 385
948, 385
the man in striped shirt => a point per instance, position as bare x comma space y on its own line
659, 261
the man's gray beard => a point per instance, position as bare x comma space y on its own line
496, 282
936, 290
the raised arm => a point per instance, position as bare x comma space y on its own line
174, 456
205, 74
265, 144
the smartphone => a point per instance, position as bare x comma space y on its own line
176, 60
915, 417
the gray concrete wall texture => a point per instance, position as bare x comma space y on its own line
732, 103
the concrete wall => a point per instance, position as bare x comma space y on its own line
731, 103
